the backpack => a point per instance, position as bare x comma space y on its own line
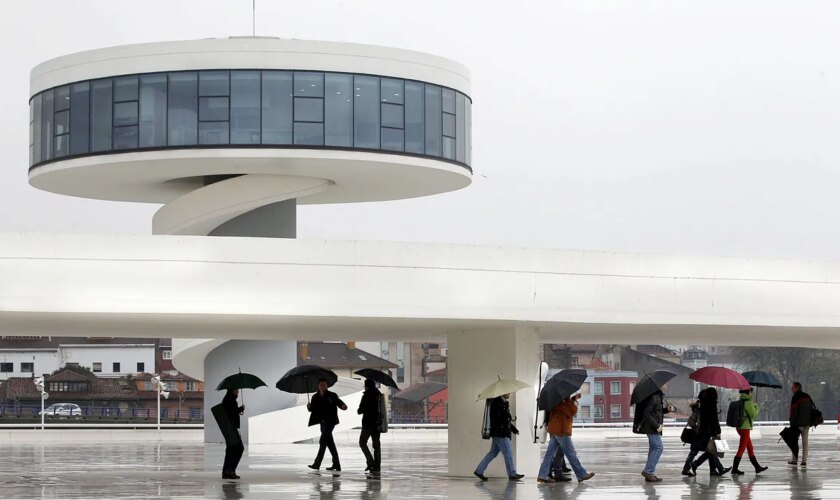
735, 414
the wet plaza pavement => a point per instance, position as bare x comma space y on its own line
182, 470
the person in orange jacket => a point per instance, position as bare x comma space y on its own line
560, 429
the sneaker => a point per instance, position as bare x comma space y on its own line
336, 468
650, 478
314, 467
791, 462
687, 473
803, 464
586, 477
724, 471
480, 476
516, 477
545, 480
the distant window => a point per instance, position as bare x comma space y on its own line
598, 387
116, 368
574, 361
615, 411
141, 367
147, 385
7, 367
97, 368
599, 412
632, 387
585, 412
27, 367
615, 388
68, 387
584, 389
190, 386
167, 354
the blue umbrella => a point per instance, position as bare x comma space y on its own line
762, 379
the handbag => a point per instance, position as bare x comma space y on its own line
688, 435
816, 417
717, 447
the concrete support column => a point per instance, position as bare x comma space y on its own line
475, 359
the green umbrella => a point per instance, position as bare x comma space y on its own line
240, 381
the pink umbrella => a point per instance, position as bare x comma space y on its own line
719, 376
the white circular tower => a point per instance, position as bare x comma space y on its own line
231, 134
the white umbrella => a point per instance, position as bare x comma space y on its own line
501, 387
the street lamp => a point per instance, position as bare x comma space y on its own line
39, 386
160, 388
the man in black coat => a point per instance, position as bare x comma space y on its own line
801, 406
324, 411
501, 428
233, 453
648, 420
371, 425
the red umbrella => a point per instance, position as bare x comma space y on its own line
719, 376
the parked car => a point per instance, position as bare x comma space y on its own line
63, 410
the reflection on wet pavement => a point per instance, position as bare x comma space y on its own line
191, 470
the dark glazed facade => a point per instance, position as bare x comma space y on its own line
250, 108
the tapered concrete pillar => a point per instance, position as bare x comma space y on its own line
476, 358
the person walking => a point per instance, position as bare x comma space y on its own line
501, 429
745, 443
371, 425
324, 411
801, 406
560, 430
648, 420
233, 453
693, 423
708, 430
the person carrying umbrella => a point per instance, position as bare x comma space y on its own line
371, 408
323, 410
560, 429
501, 427
232, 384
801, 405
650, 415
750, 409
233, 453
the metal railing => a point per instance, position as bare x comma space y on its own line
99, 413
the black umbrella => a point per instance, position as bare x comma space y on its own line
791, 438
762, 379
650, 383
378, 377
240, 381
304, 379
561, 386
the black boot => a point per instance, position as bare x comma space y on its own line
758, 468
735, 463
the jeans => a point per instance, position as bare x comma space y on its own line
654, 452
375, 461
567, 448
558, 464
233, 454
499, 445
325, 442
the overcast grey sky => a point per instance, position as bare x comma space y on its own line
708, 127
